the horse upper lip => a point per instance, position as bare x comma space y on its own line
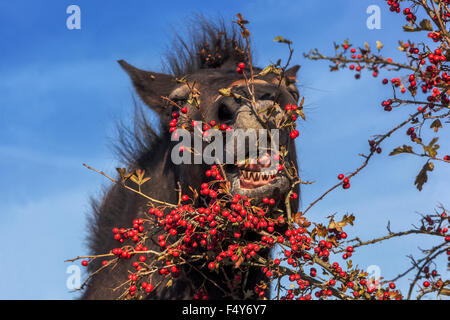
263, 162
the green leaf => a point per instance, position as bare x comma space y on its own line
225, 92
270, 69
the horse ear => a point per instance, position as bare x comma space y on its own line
150, 86
291, 73
291, 79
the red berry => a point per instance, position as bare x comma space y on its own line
149, 288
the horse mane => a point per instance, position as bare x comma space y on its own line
209, 45
135, 141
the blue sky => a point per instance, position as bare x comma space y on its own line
62, 92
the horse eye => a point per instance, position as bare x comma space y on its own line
225, 113
295, 94
267, 96
179, 100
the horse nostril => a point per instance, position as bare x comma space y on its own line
224, 113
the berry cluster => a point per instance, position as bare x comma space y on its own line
218, 234
394, 5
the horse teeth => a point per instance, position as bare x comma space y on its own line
256, 175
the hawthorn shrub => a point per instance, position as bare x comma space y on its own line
306, 267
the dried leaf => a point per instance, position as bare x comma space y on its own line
301, 114
145, 180
122, 172
134, 179
403, 149
349, 219
301, 221
422, 177
445, 292
436, 125
431, 148
239, 262
321, 230
349, 264
280, 39
140, 174
426, 25
302, 102
379, 45
408, 28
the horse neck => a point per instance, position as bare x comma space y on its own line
163, 174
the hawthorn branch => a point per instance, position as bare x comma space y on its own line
131, 189
365, 162
390, 236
